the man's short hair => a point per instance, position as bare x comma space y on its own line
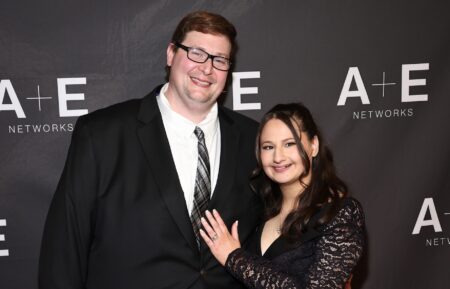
208, 23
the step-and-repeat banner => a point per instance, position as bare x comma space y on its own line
376, 75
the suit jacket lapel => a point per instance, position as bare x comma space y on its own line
228, 161
156, 147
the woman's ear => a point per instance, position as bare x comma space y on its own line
314, 146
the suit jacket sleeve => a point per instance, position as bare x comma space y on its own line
336, 254
69, 225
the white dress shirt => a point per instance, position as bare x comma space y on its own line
183, 145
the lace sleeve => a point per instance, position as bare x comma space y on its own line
257, 272
337, 252
339, 249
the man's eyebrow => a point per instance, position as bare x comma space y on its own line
213, 54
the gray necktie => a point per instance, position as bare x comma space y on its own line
202, 191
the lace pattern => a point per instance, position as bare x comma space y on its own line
334, 255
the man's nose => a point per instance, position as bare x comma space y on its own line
207, 67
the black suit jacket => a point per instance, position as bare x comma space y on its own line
119, 219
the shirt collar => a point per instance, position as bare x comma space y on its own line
183, 126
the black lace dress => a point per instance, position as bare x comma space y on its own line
323, 258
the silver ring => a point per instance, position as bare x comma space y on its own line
214, 237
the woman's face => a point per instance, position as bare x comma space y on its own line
280, 157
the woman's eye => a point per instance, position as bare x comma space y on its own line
266, 147
289, 144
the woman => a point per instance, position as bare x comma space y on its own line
313, 234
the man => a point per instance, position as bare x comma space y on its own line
139, 175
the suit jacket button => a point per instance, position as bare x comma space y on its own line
203, 272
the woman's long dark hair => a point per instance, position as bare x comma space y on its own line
325, 187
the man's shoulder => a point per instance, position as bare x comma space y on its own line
120, 113
242, 121
113, 114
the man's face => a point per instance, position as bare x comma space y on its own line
196, 85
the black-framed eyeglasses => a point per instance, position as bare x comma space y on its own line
200, 56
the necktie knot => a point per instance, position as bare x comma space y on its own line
199, 134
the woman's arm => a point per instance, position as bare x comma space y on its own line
337, 253
339, 249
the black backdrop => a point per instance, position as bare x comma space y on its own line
376, 75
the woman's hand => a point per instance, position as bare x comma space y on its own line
218, 238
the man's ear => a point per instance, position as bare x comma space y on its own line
170, 54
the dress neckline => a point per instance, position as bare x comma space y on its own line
281, 244
276, 248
